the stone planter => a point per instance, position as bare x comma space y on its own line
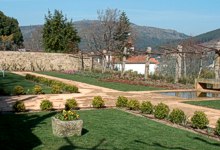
66, 128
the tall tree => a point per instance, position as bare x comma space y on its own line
101, 34
106, 26
10, 33
110, 33
122, 39
59, 34
122, 33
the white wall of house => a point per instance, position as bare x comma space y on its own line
140, 68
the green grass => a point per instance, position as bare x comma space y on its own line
95, 81
11, 80
210, 104
102, 129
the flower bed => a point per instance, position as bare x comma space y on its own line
157, 84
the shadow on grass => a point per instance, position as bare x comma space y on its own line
84, 131
207, 142
71, 146
11, 80
158, 145
16, 130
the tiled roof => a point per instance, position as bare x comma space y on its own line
141, 59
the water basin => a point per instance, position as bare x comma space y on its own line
192, 94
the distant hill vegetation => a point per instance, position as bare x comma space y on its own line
209, 36
144, 36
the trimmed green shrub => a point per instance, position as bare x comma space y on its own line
217, 128
56, 89
51, 83
161, 111
133, 104
177, 116
29, 77
71, 104
19, 106
98, 102
46, 105
199, 120
18, 90
147, 107
122, 101
71, 89
37, 89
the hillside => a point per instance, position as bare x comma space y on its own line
32, 37
207, 37
151, 36
144, 36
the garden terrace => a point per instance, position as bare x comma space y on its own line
11, 80
94, 80
60, 86
210, 104
87, 92
120, 131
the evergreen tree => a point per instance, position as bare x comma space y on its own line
122, 34
10, 33
59, 34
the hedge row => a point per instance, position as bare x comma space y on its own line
19, 90
70, 104
57, 86
162, 111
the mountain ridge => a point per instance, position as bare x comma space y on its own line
145, 36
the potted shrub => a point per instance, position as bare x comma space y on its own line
67, 123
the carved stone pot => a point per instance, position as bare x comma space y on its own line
66, 128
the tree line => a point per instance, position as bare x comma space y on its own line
112, 35
60, 35
10, 34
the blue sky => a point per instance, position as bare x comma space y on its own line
192, 17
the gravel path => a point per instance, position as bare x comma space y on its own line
87, 92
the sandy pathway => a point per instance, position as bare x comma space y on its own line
87, 92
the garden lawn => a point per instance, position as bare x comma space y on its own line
210, 104
11, 80
103, 129
95, 81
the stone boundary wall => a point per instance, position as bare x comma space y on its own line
40, 61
